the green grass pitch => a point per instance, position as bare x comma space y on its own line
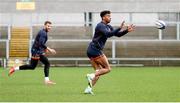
122, 84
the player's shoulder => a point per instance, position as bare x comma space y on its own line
100, 24
42, 31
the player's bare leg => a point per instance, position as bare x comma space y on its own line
96, 67
101, 65
104, 66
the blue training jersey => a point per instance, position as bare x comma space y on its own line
103, 32
39, 42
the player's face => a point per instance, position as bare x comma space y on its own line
48, 27
107, 18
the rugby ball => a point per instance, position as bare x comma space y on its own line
160, 24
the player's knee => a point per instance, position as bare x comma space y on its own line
109, 69
47, 64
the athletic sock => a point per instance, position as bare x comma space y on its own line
92, 75
89, 87
46, 78
16, 68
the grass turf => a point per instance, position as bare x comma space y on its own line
122, 84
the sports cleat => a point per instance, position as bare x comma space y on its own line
88, 90
11, 71
89, 78
49, 82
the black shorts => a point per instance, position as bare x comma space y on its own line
93, 52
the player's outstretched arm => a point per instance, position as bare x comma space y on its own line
123, 32
106, 32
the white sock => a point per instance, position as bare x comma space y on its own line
97, 70
92, 75
88, 86
46, 78
16, 68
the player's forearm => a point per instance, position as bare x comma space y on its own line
112, 33
121, 33
49, 49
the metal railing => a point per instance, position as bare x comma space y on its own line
113, 46
114, 59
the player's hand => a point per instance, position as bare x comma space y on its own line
122, 24
131, 28
52, 51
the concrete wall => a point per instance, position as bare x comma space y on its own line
59, 6
60, 11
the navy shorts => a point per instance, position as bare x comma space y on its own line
36, 53
93, 52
